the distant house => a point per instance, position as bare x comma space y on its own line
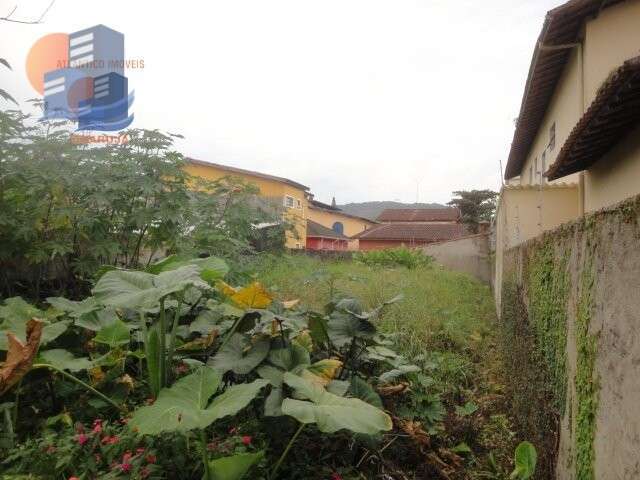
291, 196
340, 222
409, 234
320, 237
420, 215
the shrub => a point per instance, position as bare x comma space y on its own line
391, 257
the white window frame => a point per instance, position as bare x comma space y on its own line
286, 201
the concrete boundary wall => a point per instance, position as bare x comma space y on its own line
576, 289
468, 254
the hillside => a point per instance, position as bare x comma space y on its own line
371, 210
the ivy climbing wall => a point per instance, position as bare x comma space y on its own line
570, 316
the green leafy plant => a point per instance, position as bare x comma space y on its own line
392, 257
525, 461
185, 406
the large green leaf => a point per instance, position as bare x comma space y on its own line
64, 360
344, 327
73, 308
361, 389
273, 402
234, 467
289, 357
97, 320
114, 335
131, 289
331, 412
526, 458
211, 268
183, 406
15, 314
241, 354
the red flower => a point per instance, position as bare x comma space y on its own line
246, 440
74, 478
150, 458
82, 439
233, 430
336, 476
139, 451
97, 426
125, 467
126, 457
110, 440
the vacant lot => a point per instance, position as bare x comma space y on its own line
445, 323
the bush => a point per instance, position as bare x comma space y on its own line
66, 210
391, 257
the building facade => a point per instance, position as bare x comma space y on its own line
284, 193
331, 217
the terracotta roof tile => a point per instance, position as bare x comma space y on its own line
430, 232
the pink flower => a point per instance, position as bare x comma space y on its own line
97, 426
246, 440
82, 439
74, 478
126, 457
125, 467
110, 440
336, 476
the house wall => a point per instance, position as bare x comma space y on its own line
615, 176
565, 109
467, 254
524, 213
570, 317
271, 189
317, 243
611, 38
352, 226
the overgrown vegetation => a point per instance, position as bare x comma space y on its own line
67, 210
586, 384
455, 408
394, 257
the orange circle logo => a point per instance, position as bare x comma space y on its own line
50, 52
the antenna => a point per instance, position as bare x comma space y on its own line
501, 174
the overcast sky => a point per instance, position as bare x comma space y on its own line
361, 99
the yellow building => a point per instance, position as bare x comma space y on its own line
341, 222
292, 196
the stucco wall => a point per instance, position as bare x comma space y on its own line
526, 212
595, 327
468, 254
610, 39
352, 226
616, 176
